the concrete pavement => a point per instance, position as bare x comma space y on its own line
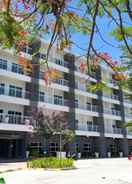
93, 171
6, 167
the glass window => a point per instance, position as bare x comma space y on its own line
58, 100
42, 56
15, 91
88, 106
17, 68
14, 117
76, 124
59, 62
18, 92
41, 96
54, 147
76, 103
3, 64
2, 89
12, 90
1, 115
87, 147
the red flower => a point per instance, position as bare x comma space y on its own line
82, 67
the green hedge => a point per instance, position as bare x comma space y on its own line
50, 162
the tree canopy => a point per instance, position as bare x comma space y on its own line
23, 20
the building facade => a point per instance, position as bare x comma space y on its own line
96, 118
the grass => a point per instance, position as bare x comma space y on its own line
50, 162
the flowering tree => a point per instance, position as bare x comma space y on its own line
22, 20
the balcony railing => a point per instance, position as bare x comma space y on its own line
15, 119
60, 62
90, 128
55, 101
128, 101
63, 82
112, 112
128, 115
117, 130
114, 130
113, 96
88, 107
14, 93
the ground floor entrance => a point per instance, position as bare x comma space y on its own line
12, 146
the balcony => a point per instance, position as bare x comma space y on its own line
117, 130
88, 107
114, 132
112, 112
129, 133
60, 62
90, 130
111, 96
4, 90
63, 82
9, 122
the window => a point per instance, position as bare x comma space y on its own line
17, 68
54, 147
76, 124
88, 106
58, 100
90, 125
1, 115
42, 56
87, 147
2, 89
41, 96
28, 50
76, 103
18, 92
15, 117
15, 91
3, 64
59, 62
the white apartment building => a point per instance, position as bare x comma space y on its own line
96, 118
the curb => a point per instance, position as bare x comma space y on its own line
58, 169
10, 170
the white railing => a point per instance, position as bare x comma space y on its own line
60, 62
55, 101
128, 115
128, 101
26, 95
114, 130
90, 128
88, 107
15, 119
63, 82
14, 92
117, 130
129, 132
115, 97
112, 112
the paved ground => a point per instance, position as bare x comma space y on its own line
100, 171
12, 166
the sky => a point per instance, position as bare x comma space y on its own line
105, 28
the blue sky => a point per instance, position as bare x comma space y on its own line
105, 29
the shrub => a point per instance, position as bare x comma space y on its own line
50, 162
2, 181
